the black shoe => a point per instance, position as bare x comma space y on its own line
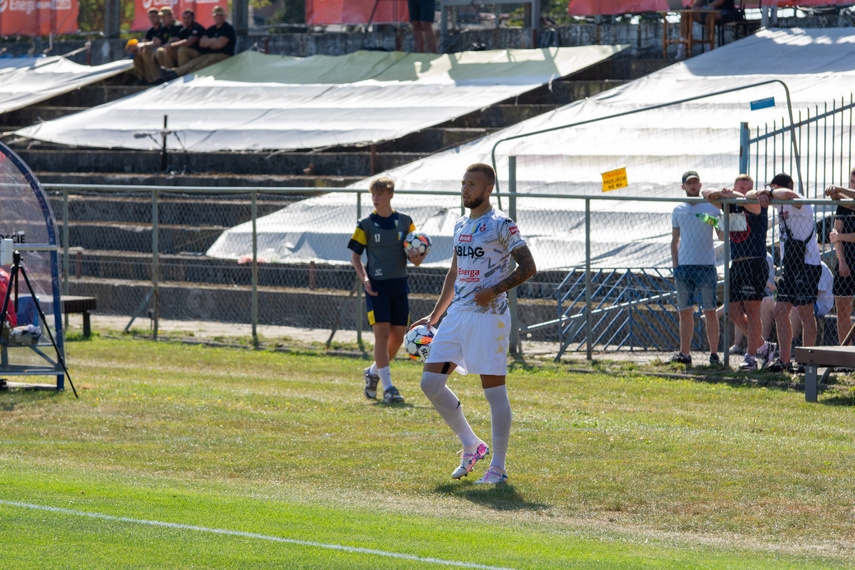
714, 359
167, 75
681, 358
392, 396
779, 366
371, 381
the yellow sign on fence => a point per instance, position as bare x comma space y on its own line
614, 179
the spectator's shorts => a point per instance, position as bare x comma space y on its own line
422, 10
695, 282
385, 308
844, 286
800, 285
748, 279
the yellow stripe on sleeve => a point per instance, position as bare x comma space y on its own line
412, 228
359, 236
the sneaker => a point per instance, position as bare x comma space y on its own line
492, 477
714, 359
779, 366
371, 381
469, 460
392, 396
748, 363
737, 349
767, 353
681, 358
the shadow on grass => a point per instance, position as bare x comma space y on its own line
503, 497
847, 400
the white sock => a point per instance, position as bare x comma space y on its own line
448, 406
500, 411
385, 377
373, 368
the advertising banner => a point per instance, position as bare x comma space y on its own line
37, 17
330, 12
615, 7
201, 7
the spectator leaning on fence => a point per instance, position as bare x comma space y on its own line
823, 304
843, 238
693, 258
749, 222
800, 269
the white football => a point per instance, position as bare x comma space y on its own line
417, 342
418, 242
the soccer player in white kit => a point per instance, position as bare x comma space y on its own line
474, 335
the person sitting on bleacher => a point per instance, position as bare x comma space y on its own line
720, 11
145, 65
182, 46
217, 44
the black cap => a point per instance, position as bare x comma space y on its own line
782, 180
688, 175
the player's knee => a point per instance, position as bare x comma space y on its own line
433, 382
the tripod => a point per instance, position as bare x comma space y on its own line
18, 269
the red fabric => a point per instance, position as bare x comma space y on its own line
611, 7
329, 12
202, 8
12, 318
38, 17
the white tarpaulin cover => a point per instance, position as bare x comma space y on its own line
655, 148
255, 102
25, 81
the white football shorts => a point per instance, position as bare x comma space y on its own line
476, 342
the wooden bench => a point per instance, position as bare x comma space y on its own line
80, 305
827, 356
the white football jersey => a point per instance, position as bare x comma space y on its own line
483, 248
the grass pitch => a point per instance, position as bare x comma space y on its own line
187, 456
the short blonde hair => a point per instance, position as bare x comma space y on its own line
744, 177
382, 184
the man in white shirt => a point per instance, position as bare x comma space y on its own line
474, 335
693, 259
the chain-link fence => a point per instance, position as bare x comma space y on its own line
280, 257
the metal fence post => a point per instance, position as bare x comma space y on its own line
744, 148
357, 312
725, 325
65, 261
254, 302
589, 321
154, 260
514, 335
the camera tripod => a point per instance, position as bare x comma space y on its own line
18, 269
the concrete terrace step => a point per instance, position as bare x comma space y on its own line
38, 113
202, 179
192, 210
320, 308
103, 264
138, 237
244, 163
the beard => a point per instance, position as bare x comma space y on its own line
473, 202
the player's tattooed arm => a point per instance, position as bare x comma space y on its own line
524, 271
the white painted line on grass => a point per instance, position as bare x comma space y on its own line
253, 535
